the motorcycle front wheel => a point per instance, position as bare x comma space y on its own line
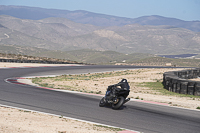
102, 102
118, 103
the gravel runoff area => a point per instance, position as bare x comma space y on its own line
16, 120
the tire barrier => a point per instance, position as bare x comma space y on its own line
179, 81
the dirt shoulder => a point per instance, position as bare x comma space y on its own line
19, 121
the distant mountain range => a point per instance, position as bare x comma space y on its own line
62, 33
65, 35
85, 17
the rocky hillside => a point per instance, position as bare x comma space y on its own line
65, 35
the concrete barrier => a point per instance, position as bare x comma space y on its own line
179, 81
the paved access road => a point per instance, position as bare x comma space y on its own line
143, 117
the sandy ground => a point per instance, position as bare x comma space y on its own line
14, 120
19, 121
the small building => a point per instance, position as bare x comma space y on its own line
168, 64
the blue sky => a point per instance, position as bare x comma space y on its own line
182, 9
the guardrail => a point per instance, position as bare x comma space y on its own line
178, 81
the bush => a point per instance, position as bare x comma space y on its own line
137, 97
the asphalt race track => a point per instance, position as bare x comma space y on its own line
143, 117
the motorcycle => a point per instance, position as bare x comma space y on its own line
114, 97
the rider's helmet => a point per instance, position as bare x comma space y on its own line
123, 80
124, 84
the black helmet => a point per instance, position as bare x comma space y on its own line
123, 80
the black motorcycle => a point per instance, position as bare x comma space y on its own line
115, 96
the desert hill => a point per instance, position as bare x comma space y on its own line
95, 38
85, 17
65, 35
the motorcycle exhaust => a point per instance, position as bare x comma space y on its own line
126, 100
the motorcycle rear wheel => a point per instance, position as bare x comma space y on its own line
119, 103
102, 102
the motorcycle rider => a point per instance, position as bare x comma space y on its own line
116, 95
123, 84
124, 88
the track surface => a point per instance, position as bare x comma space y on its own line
143, 117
